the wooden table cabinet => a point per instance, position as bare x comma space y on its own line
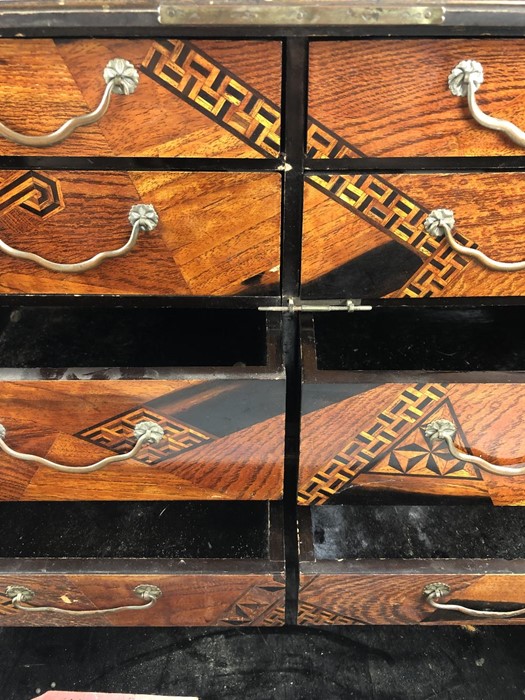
194, 197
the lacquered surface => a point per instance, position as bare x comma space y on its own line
364, 234
202, 99
69, 216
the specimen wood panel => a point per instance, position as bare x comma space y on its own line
393, 594
218, 233
371, 437
364, 235
224, 439
194, 99
391, 98
204, 598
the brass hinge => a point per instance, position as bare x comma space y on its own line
295, 305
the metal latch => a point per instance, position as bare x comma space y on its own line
294, 305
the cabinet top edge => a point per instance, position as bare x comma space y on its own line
308, 15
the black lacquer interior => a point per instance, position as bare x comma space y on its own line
160, 530
452, 339
64, 337
418, 532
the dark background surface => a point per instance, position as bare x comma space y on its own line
330, 663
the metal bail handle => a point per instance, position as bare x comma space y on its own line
142, 217
121, 78
443, 429
20, 595
464, 81
147, 433
440, 222
434, 591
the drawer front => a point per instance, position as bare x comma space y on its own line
68, 217
193, 599
223, 439
389, 598
192, 99
373, 438
380, 98
371, 236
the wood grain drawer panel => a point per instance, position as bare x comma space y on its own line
69, 216
364, 235
223, 425
387, 597
205, 598
194, 99
363, 428
366, 565
407, 109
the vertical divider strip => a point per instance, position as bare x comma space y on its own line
294, 108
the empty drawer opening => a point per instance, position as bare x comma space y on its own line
466, 340
145, 530
59, 337
416, 532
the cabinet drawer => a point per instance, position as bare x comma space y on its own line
375, 422
212, 382
168, 561
413, 236
366, 565
190, 99
70, 216
407, 108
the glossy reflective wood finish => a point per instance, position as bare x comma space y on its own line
224, 438
387, 593
370, 565
391, 98
194, 99
217, 595
376, 440
384, 377
69, 216
364, 235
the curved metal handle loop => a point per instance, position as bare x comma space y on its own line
463, 81
21, 594
443, 429
142, 217
147, 433
121, 78
440, 222
434, 591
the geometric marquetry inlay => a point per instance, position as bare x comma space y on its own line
116, 434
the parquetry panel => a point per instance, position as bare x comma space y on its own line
116, 434
394, 445
203, 82
259, 604
309, 614
35, 192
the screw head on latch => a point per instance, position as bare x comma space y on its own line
464, 73
437, 221
122, 75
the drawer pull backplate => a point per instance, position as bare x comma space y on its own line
121, 78
142, 217
463, 81
443, 429
440, 222
146, 432
20, 595
434, 591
